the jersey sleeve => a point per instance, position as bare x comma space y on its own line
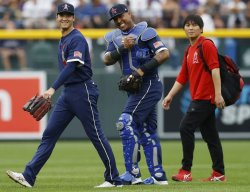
210, 54
64, 75
110, 47
156, 45
77, 49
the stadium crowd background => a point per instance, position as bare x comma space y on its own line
40, 14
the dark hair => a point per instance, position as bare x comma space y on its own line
195, 19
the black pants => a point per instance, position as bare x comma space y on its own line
201, 114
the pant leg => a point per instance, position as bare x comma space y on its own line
130, 143
142, 107
58, 121
86, 111
152, 147
211, 137
197, 113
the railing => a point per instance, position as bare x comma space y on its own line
97, 33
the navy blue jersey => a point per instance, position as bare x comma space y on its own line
73, 48
148, 44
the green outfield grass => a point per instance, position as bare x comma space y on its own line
75, 167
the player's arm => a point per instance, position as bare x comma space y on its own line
168, 99
63, 76
155, 62
111, 57
114, 54
210, 55
154, 43
219, 101
181, 80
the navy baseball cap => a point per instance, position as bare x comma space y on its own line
117, 10
66, 8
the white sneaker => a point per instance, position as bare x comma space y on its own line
153, 181
107, 184
18, 178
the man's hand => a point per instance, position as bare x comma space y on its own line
166, 102
49, 93
219, 102
128, 42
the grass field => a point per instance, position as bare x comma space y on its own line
75, 167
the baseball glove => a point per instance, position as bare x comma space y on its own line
38, 106
130, 83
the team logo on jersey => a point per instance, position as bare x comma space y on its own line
77, 54
195, 58
65, 7
157, 44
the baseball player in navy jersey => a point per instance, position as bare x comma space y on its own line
139, 50
79, 98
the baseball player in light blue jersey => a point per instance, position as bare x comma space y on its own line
78, 99
139, 50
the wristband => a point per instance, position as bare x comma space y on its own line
147, 67
116, 54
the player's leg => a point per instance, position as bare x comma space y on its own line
152, 151
59, 119
85, 108
127, 130
142, 106
196, 114
211, 137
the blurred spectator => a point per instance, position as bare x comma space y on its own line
247, 14
212, 7
218, 21
188, 7
207, 18
99, 14
83, 15
236, 18
35, 13
171, 14
153, 14
137, 8
209, 25
12, 9
75, 3
10, 48
51, 22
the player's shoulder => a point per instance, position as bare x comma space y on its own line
148, 34
207, 43
111, 34
77, 35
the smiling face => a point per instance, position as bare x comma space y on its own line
124, 21
65, 21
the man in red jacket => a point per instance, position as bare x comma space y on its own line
205, 90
